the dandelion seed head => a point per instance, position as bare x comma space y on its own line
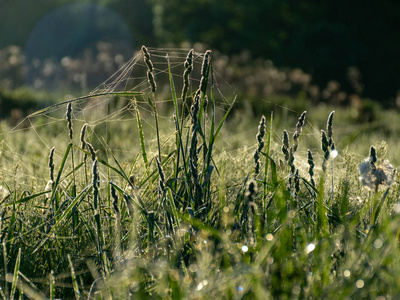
373, 178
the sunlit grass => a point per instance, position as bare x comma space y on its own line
175, 208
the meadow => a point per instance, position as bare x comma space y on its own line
181, 191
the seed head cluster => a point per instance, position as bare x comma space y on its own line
375, 176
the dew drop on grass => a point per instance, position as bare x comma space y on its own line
245, 248
333, 154
360, 283
310, 248
347, 273
202, 284
396, 208
226, 209
378, 243
193, 268
240, 288
269, 237
296, 289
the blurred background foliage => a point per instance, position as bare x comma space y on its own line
354, 43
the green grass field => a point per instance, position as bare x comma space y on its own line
132, 192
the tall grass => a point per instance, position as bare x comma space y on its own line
186, 220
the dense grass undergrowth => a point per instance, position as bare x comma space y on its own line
140, 205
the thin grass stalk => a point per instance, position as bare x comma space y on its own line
52, 286
117, 227
5, 262
15, 276
179, 143
150, 77
268, 146
151, 225
97, 206
193, 156
207, 161
73, 277
141, 136
71, 135
83, 146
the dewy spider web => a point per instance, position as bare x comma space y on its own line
111, 105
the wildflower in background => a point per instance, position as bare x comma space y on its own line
375, 176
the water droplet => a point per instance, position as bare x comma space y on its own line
296, 289
226, 209
310, 248
240, 288
347, 273
245, 248
202, 284
333, 154
378, 243
193, 268
360, 283
269, 237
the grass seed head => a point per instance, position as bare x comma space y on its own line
188, 69
51, 164
372, 156
82, 136
285, 145
149, 64
311, 164
260, 146
115, 199
329, 125
195, 109
204, 71
251, 189
91, 150
299, 129
69, 120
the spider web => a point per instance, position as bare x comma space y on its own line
106, 109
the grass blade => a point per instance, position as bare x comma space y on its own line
74, 281
15, 277
142, 144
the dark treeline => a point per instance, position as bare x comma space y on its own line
323, 38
